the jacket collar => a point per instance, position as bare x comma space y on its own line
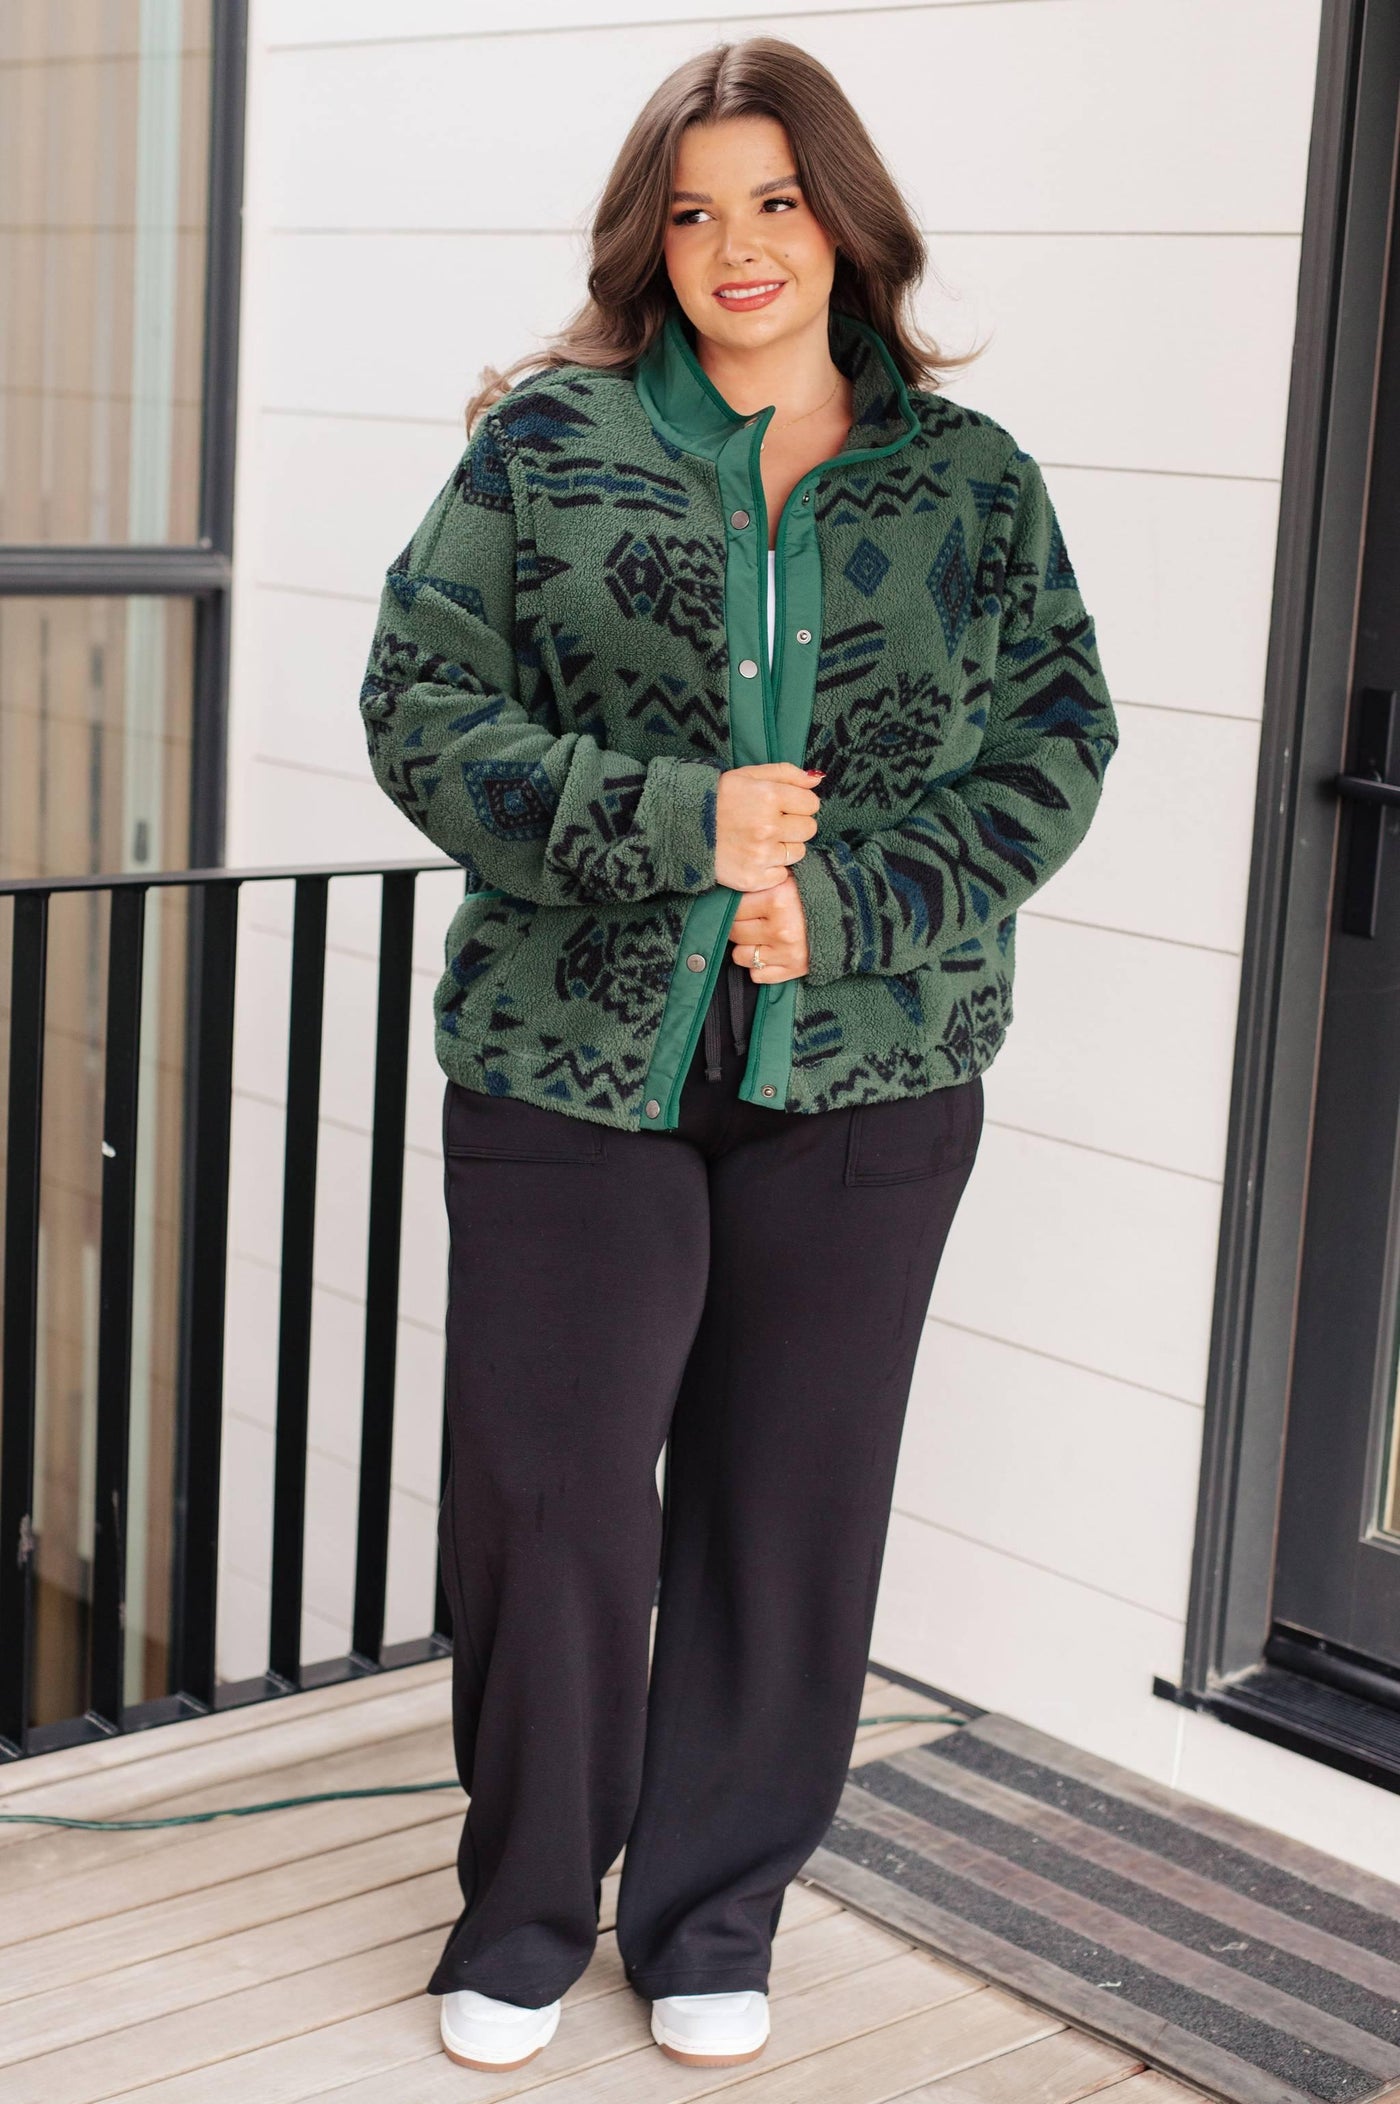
686, 407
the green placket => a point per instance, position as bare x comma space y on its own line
770, 713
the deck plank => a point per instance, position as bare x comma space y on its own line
612, 2060
284, 1957
222, 1909
1059, 2069
378, 2044
67, 1876
880, 2065
202, 2037
352, 1700
1153, 2087
179, 1762
129, 1995
406, 2037
878, 1741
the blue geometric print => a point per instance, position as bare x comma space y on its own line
480, 476
514, 799
866, 567
950, 581
406, 589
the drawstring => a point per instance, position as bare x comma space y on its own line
712, 1047
736, 1006
735, 975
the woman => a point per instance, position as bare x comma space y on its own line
693, 1195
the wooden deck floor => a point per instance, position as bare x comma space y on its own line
283, 1956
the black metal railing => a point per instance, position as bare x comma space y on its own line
212, 945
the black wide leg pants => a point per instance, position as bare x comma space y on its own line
753, 1285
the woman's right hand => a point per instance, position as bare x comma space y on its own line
757, 809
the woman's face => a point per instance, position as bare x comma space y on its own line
737, 220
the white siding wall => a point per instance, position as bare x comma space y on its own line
1116, 189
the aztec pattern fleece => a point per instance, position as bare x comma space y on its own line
573, 645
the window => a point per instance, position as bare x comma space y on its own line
121, 135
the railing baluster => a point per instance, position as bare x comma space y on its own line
382, 1271
298, 1250
214, 945
24, 1136
125, 957
210, 977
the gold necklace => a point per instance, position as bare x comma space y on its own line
805, 413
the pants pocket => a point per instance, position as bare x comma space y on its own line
915, 1136
506, 1128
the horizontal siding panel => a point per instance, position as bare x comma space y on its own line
1177, 571
297, 815
337, 501
461, 132
1102, 1262
331, 1494
1070, 370
991, 116
245, 1501
348, 1045
332, 345
1008, 1635
1088, 114
1120, 1042
250, 1330
255, 1181
306, 660
1052, 1464
352, 924
1121, 352
337, 1376
363, 21
1167, 853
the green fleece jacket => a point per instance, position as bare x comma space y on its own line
573, 645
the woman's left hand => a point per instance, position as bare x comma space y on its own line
773, 922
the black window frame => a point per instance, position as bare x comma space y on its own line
201, 570
1342, 1719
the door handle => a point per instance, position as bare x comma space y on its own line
1369, 789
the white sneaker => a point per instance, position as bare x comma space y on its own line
478, 2031
711, 2030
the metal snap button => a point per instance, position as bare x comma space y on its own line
696, 961
768, 1089
748, 668
804, 635
806, 496
738, 518
653, 1108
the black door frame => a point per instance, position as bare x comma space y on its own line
1340, 1719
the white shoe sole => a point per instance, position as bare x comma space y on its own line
466, 2052
719, 2055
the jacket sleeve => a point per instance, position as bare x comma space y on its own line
463, 731
977, 845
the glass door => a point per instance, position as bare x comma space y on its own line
1336, 1602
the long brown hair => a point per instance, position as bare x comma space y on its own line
880, 255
